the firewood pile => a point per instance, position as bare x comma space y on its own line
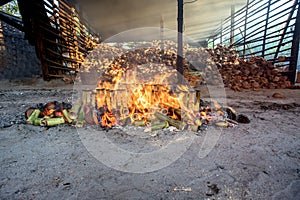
201, 65
254, 73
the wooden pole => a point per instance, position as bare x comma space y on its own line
245, 29
179, 61
265, 31
295, 48
232, 25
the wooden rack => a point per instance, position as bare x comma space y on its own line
61, 37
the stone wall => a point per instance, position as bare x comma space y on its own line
17, 57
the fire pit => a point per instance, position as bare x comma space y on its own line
140, 88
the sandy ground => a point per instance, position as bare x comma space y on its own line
260, 160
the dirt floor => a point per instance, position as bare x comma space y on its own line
260, 160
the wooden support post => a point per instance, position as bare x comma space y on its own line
221, 32
179, 61
265, 31
232, 25
295, 48
162, 35
285, 29
245, 29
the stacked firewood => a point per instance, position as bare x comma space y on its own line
201, 65
254, 73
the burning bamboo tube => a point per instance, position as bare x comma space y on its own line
135, 117
93, 99
124, 111
139, 123
81, 115
164, 111
178, 124
159, 126
114, 99
86, 96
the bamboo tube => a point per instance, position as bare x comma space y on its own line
125, 111
139, 123
75, 108
135, 117
164, 111
37, 121
155, 121
52, 121
114, 99
178, 124
81, 115
33, 116
159, 126
93, 99
66, 115
73, 115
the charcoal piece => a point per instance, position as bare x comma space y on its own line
243, 119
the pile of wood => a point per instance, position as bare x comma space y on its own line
254, 73
201, 65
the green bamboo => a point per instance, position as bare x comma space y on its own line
37, 121
35, 114
81, 115
159, 126
172, 122
66, 115
52, 121
139, 123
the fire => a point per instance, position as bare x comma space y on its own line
128, 92
108, 119
126, 96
